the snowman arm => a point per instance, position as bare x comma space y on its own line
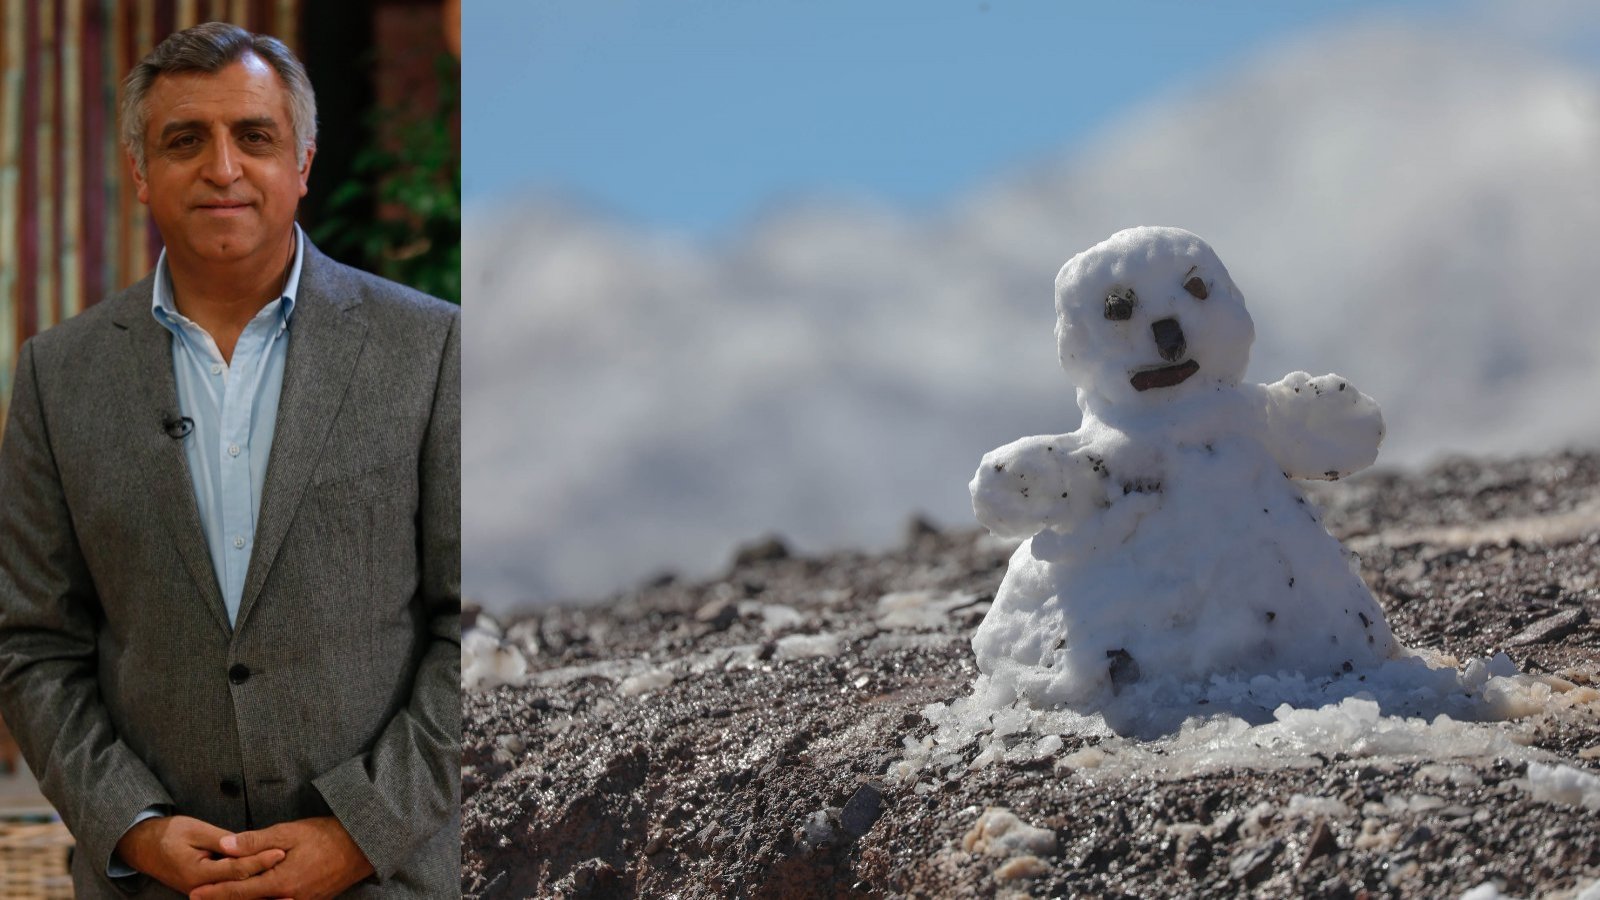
1035, 483
1319, 428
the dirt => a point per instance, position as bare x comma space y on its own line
759, 771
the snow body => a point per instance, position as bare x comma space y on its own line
1166, 537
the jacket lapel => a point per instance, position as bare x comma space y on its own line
153, 392
326, 334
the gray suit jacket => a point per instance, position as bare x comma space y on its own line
337, 691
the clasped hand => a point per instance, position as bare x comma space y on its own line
306, 859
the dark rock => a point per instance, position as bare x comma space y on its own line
768, 549
1321, 842
1550, 628
862, 809
919, 526
1252, 864
1124, 668
1194, 856
592, 875
1420, 837
658, 841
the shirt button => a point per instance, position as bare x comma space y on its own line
238, 543
216, 368
230, 787
239, 673
233, 449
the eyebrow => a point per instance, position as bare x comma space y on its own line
264, 122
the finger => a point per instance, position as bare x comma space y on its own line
261, 886
249, 843
201, 835
224, 870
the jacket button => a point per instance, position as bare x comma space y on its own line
230, 787
239, 674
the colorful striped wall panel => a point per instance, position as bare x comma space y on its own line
71, 227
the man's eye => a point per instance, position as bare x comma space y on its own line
1196, 287
1119, 304
255, 137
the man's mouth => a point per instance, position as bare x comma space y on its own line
1166, 376
223, 205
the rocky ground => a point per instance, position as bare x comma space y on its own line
731, 738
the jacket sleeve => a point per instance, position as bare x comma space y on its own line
396, 796
49, 616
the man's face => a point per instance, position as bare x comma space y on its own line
221, 180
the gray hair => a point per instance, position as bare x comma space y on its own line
209, 48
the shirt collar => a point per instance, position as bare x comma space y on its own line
165, 309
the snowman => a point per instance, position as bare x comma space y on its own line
1166, 538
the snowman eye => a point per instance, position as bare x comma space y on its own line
1119, 304
1196, 287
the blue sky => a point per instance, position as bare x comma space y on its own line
695, 115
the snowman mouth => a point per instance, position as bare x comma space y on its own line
1166, 376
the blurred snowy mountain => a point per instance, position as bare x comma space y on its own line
1410, 209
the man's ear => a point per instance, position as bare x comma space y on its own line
305, 168
138, 179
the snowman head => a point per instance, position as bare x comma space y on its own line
1149, 317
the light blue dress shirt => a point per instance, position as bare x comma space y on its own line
233, 408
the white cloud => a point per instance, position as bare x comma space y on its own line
1413, 210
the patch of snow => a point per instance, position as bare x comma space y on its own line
1017, 867
998, 832
819, 828
487, 662
1403, 710
645, 682
1047, 746
1087, 758
775, 617
919, 609
801, 646
1564, 784
509, 748
1460, 775
1308, 807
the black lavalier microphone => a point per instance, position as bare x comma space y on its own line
177, 427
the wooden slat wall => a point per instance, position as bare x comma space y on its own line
71, 227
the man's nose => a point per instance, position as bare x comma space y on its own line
222, 164
1169, 339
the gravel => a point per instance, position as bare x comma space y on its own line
746, 758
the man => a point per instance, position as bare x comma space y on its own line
230, 529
